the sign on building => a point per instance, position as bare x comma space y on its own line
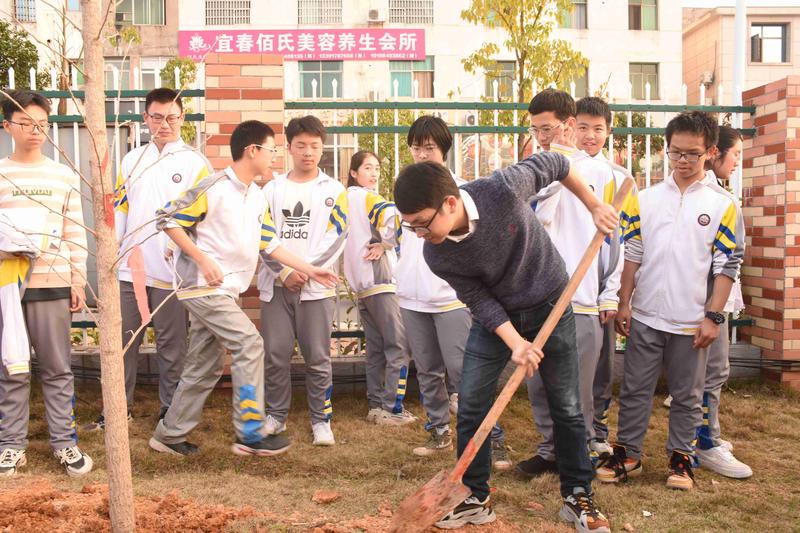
308, 45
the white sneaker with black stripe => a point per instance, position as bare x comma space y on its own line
11, 460
470, 511
74, 460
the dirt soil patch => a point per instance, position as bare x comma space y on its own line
36, 506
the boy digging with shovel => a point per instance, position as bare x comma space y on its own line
485, 241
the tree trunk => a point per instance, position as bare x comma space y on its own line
118, 464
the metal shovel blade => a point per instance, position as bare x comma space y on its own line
429, 504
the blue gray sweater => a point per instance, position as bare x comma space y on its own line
509, 263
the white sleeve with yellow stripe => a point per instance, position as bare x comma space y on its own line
190, 208
120, 205
269, 238
333, 242
383, 217
728, 248
632, 232
611, 258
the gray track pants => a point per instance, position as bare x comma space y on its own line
48, 324
437, 342
589, 337
387, 351
217, 325
718, 369
284, 319
169, 324
685, 367
603, 379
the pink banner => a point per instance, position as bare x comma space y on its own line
308, 45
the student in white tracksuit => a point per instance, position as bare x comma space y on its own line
370, 259
678, 232
712, 452
571, 229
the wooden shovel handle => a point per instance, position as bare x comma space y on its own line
544, 333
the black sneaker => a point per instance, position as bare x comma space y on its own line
470, 511
536, 466
269, 445
100, 423
680, 472
580, 510
181, 449
619, 467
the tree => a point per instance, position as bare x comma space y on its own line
120, 490
638, 142
528, 25
188, 75
17, 52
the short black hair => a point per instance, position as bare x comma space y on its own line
308, 124
423, 185
162, 95
594, 106
697, 123
248, 133
23, 100
433, 128
560, 103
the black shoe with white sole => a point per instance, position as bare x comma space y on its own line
181, 449
269, 445
580, 509
470, 511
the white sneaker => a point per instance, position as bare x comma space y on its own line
273, 427
374, 414
323, 435
454, 404
600, 451
395, 419
74, 460
11, 460
728, 445
667, 402
722, 461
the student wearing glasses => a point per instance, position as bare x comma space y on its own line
684, 245
149, 177
436, 321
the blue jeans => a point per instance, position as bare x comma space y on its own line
484, 359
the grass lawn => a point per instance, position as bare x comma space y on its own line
372, 467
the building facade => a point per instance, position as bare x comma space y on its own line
772, 51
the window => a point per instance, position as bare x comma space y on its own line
505, 74
581, 84
324, 72
641, 74
643, 14
73, 5
25, 10
769, 43
575, 16
411, 11
140, 12
405, 72
319, 12
124, 67
227, 12
151, 71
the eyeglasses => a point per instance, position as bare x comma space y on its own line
690, 158
428, 148
546, 132
421, 230
158, 119
30, 127
272, 149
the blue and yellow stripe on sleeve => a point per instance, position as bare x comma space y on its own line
191, 214
631, 223
376, 209
725, 240
120, 195
267, 229
338, 217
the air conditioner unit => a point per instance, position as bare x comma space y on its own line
377, 15
470, 119
123, 18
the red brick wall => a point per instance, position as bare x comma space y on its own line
771, 205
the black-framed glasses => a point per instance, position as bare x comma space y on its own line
30, 127
690, 158
421, 230
158, 119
